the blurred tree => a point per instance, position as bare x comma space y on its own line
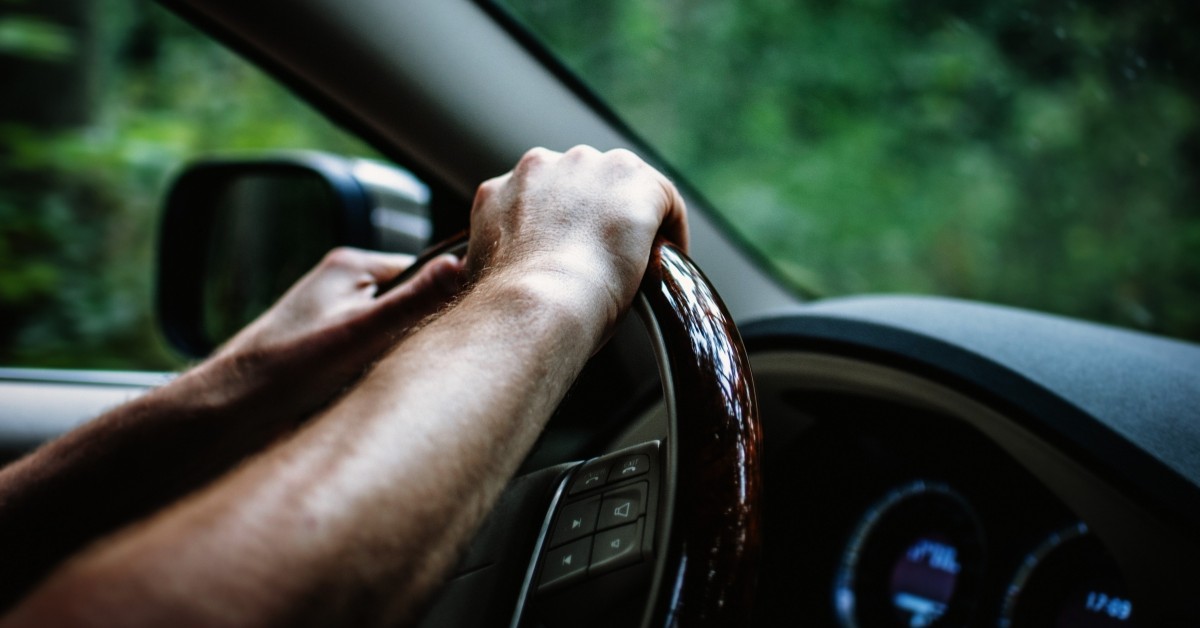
47, 56
48, 49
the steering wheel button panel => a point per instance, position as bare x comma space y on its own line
622, 506
615, 522
616, 548
566, 564
576, 520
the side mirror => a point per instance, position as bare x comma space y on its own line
237, 233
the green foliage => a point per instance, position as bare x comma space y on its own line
35, 38
79, 202
1040, 154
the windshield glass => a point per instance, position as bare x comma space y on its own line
1039, 154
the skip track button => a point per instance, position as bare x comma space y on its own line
575, 520
566, 564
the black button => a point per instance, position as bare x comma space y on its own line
576, 520
589, 478
622, 506
617, 547
629, 466
566, 564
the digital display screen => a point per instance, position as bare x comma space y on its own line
1095, 605
923, 580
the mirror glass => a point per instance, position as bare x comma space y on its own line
268, 229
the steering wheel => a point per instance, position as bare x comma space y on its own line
706, 569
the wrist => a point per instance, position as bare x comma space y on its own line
217, 385
556, 296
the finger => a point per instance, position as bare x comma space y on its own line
436, 283
368, 268
673, 220
674, 225
384, 267
444, 274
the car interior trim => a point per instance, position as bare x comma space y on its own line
904, 332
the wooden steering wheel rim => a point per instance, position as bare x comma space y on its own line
710, 563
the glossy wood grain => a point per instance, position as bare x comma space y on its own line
713, 548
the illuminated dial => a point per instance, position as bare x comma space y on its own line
1069, 581
914, 560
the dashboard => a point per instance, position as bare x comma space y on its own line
908, 484
883, 514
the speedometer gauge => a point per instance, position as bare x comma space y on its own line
914, 560
1069, 581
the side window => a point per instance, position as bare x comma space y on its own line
103, 101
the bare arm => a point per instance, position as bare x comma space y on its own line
141, 456
356, 517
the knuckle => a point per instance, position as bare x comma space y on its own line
581, 150
481, 196
625, 156
341, 257
535, 156
487, 190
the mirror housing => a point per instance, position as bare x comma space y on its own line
236, 233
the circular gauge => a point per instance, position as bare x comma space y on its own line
914, 560
1069, 580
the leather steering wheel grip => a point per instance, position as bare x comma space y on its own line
709, 563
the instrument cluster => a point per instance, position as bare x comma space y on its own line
881, 516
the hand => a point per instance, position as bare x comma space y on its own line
341, 289
583, 220
458, 405
328, 328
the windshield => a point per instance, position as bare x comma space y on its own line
1039, 154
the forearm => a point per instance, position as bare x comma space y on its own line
120, 467
366, 505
